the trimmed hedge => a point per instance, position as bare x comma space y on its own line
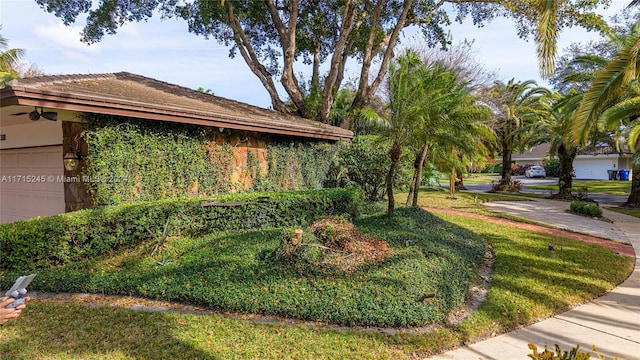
69, 237
586, 208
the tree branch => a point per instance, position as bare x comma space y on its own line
288, 43
345, 30
250, 57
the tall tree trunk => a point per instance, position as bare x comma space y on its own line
565, 178
418, 166
394, 154
413, 180
634, 196
505, 175
452, 183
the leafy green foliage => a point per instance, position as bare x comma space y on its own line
552, 167
69, 237
527, 286
365, 163
224, 271
150, 160
276, 40
492, 168
154, 160
586, 208
573, 354
295, 165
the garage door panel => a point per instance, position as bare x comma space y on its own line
31, 185
593, 168
8, 161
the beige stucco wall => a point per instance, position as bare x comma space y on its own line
31, 134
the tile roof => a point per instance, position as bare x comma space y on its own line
144, 97
536, 152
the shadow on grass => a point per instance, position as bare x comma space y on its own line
67, 331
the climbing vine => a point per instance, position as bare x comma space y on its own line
144, 160
133, 160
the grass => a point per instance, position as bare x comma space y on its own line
475, 178
627, 211
438, 197
528, 285
481, 178
594, 186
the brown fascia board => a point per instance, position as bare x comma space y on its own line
20, 95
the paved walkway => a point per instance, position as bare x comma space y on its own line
611, 322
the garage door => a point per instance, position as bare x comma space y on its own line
592, 168
30, 183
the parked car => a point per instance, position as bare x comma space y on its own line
535, 171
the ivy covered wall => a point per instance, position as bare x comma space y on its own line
132, 159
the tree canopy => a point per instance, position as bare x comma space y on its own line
274, 36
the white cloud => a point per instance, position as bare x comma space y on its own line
56, 34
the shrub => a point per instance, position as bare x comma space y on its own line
573, 354
69, 237
491, 168
365, 163
552, 167
586, 208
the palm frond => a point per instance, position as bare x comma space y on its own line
620, 113
607, 84
547, 36
634, 134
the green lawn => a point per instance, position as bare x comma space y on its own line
630, 212
594, 186
474, 178
527, 285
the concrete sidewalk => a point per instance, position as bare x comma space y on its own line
611, 322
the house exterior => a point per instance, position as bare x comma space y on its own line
593, 165
41, 120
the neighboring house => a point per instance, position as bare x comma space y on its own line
40, 123
594, 164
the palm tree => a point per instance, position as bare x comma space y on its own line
623, 118
516, 107
9, 60
613, 100
450, 119
405, 86
557, 131
442, 91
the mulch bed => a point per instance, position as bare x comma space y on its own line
620, 248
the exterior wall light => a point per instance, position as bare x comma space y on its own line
71, 161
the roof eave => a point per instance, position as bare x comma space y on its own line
25, 96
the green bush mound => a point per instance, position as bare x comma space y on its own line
421, 282
586, 208
69, 237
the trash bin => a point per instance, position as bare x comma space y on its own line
613, 175
624, 174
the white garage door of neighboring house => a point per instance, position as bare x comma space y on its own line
593, 168
30, 183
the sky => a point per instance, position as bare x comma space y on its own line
165, 50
